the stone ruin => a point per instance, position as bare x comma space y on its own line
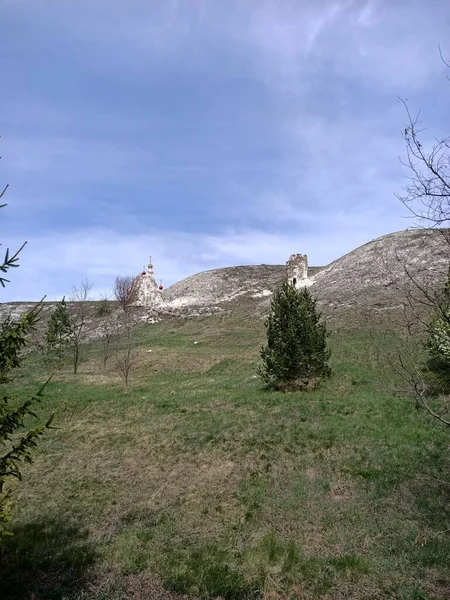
297, 270
149, 293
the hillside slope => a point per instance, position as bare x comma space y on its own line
219, 286
368, 283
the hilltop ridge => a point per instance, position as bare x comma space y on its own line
367, 283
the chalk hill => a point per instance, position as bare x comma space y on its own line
365, 286
369, 282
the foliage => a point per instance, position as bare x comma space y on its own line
14, 449
67, 330
9, 262
438, 343
296, 349
59, 332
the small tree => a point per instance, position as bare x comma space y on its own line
427, 198
59, 333
106, 342
80, 298
296, 350
125, 357
125, 290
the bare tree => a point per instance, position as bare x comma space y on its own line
405, 364
404, 359
80, 312
407, 355
125, 290
125, 357
106, 342
426, 309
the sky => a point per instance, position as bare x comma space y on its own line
207, 133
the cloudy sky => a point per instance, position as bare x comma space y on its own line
207, 133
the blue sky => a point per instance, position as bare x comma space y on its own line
207, 133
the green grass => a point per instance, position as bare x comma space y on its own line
202, 482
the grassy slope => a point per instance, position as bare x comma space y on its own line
203, 481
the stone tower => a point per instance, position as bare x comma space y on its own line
297, 270
149, 293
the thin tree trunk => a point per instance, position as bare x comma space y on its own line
76, 358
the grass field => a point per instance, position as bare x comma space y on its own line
201, 482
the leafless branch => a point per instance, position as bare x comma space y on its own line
4, 191
422, 301
125, 290
125, 358
427, 195
446, 63
405, 364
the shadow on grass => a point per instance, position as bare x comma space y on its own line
45, 559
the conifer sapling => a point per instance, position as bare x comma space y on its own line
296, 350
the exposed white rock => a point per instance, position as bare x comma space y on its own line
210, 288
262, 294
